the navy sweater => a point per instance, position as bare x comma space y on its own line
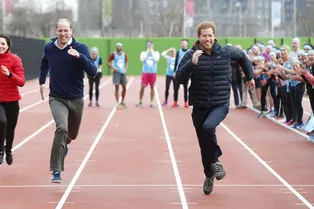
66, 71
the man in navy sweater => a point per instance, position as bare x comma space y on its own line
66, 60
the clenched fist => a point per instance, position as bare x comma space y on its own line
196, 55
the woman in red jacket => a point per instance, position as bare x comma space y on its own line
11, 77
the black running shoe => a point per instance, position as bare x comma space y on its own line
9, 158
1, 157
208, 185
219, 171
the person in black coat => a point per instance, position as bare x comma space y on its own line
208, 65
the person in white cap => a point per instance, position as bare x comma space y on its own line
118, 62
295, 48
272, 43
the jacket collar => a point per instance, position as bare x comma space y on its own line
5, 55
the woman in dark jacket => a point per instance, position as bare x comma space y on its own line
11, 77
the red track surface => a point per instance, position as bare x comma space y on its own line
129, 164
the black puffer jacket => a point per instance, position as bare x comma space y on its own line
211, 77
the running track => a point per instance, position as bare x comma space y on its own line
149, 158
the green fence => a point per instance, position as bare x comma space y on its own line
134, 46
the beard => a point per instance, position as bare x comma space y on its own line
207, 45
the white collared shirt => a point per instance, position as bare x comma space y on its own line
65, 45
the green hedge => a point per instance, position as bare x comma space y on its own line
134, 46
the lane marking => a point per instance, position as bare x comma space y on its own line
281, 124
179, 203
272, 171
302, 204
299, 192
37, 89
184, 202
89, 153
40, 101
171, 186
33, 105
32, 91
48, 124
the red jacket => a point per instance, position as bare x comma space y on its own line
9, 86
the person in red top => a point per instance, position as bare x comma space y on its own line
11, 77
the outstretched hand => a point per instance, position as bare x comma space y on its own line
73, 52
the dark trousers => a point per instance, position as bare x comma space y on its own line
169, 79
9, 112
287, 102
310, 92
297, 93
176, 91
237, 93
279, 99
271, 84
95, 80
205, 122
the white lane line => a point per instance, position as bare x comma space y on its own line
40, 101
272, 171
89, 153
184, 202
33, 105
47, 125
171, 186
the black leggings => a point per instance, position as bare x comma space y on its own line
297, 95
95, 80
280, 102
270, 83
9, 112
310, 92
176, 91
168, 81
287, 102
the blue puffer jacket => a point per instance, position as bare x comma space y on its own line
211, 77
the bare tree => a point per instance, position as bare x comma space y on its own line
163, 18
21, 22
306, 23
30, 20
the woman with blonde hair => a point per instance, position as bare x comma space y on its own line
285, 71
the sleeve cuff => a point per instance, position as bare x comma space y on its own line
10, 75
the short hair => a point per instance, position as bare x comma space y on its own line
64, 20
185, 40
205, 25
